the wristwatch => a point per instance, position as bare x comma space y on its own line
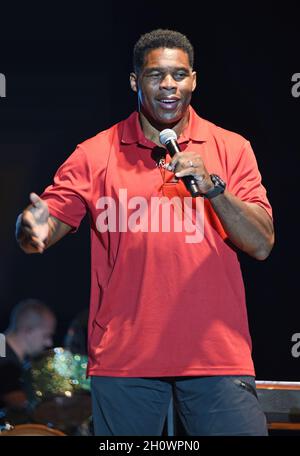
219, 187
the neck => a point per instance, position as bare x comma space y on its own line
151, 130
16, 344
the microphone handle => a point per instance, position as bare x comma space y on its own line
189, 181
191, 185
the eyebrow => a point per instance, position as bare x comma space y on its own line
161, 69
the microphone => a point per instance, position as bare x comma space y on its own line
168, 138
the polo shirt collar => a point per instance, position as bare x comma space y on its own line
196, 130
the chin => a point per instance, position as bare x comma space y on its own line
168, 122
171, 118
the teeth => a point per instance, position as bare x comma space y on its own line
168, 101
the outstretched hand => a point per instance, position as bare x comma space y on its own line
33, 224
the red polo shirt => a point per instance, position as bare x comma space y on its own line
167, 295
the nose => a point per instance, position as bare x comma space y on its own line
168, 82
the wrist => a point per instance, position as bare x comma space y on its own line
218, 186
208, 185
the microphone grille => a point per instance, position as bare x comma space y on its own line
166, 135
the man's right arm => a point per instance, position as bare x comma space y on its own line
36, 229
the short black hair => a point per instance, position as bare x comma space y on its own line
160, 38
28, 314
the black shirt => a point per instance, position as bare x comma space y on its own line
11, 372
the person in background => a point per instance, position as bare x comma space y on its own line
30, 332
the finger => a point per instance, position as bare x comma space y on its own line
36, 200
185, 172
36, 234
36, 242
183, 162
169, 167
28, 219
38, 248
28, 231
199, 179
174, 161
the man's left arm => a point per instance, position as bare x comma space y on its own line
248, 225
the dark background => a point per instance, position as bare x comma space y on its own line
67, 79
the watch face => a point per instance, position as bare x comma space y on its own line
217, 180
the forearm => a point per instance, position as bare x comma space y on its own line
248, 225
57, 230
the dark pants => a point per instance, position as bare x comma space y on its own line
217, 405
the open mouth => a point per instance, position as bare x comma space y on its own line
168, 104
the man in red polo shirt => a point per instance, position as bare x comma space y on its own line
167, 310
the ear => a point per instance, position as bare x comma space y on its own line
133, 82
194, 84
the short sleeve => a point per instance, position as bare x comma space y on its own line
244, 180
69, 195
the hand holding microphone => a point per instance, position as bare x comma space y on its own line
188, 167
